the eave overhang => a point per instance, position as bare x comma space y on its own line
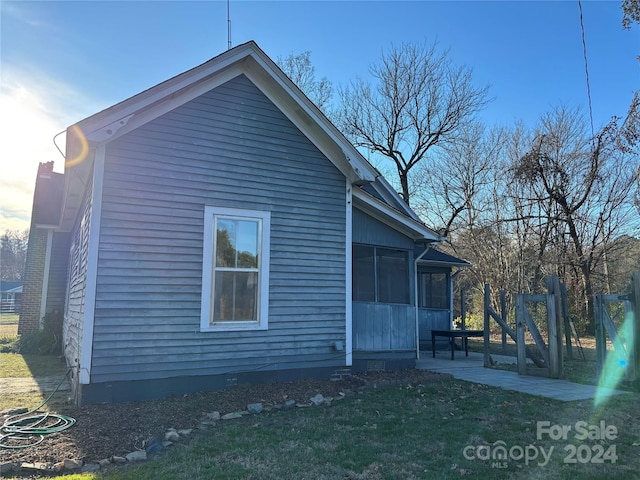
397, 220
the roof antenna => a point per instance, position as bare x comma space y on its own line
228, 27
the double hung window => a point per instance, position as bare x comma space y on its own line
236, 269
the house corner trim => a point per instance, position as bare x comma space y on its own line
348, 275
86, 349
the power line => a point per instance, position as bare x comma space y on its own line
586, 68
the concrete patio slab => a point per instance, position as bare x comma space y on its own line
472, 369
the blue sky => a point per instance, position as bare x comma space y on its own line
63, 61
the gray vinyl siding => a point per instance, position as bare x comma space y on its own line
230, 147
369, 231
77, 280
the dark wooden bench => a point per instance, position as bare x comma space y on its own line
452, 335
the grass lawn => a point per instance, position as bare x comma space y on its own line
8, 326
421, 431
440, 430
17, 365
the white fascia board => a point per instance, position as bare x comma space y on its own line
95, 127
393, 218
391, 192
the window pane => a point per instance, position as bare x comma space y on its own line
439, 290
393, 276
236, 296
363, 274
237, 243
247, 243
434, 290
225, 242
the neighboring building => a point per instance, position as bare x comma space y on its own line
47, 253
10, 296
223, 231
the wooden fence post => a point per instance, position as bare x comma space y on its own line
554, 361
601, 339
463, 308
554, 326
522, 348
487, 356
503, 314
635, 293
567, 320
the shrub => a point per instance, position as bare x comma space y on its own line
43, 342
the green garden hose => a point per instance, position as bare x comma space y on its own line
29, 429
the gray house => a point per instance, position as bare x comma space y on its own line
223, 231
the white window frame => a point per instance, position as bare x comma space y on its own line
264, 247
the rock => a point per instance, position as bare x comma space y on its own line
119, 460
230, 416
58, 467
6, 467
137, 456
278, 406
303, 405
154, 445
172, 436
186, 431
328, 400
255, 407
37, 466
289, 404
70, 464
167, 443
213, 416
105, 462
317, 399
90, 467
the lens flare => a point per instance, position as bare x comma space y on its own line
617, 361
84, 147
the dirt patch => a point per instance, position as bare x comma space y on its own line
103, 431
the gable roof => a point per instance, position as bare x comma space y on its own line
248, 59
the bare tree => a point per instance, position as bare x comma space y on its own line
630, 13
455, 187
302, 72
13, 253
420, 100
583, 188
